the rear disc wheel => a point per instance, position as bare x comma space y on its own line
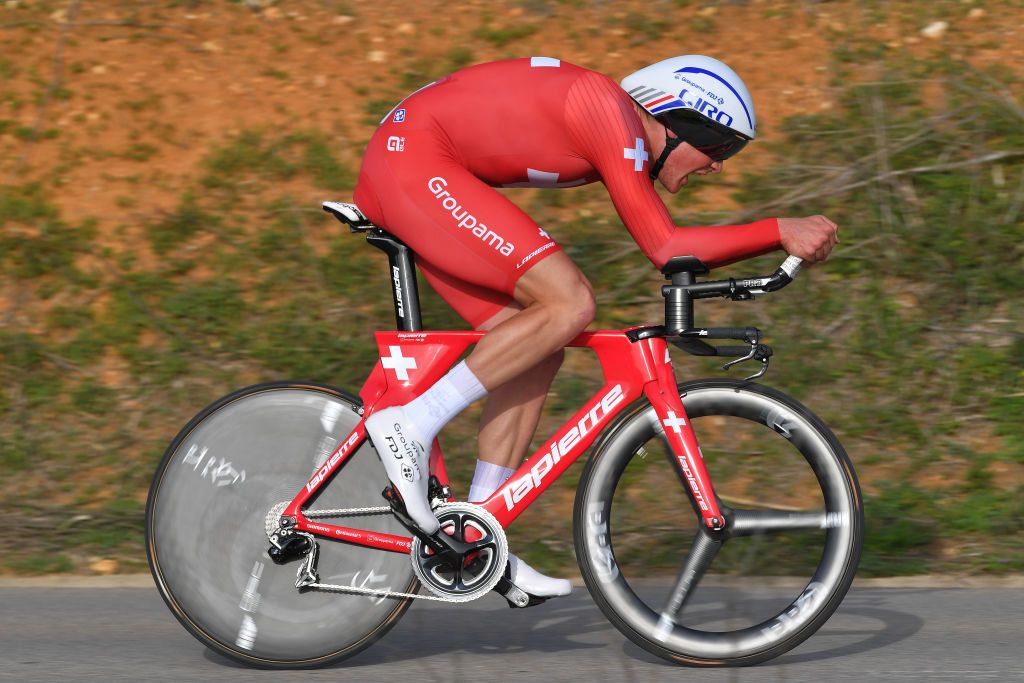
219, 482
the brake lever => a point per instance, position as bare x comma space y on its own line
749, 356
759, 373
761, 352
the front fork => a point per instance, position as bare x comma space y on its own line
663, 393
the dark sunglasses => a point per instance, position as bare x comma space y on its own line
707, 136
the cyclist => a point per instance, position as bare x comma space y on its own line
428, 176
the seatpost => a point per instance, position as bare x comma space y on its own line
402, 272
678, 303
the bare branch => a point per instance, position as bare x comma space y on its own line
55, 81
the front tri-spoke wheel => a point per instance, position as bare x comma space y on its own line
794, 528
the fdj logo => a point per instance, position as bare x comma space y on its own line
396, 144
399, 116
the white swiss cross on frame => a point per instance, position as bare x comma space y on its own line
674, 422
637, 154
399, 363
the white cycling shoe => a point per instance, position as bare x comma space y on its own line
533, 582
406, 460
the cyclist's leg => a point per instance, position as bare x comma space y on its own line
466, 229
513, 407
510, 414
511, 411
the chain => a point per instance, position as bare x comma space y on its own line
335, 588
346, 512
275, 513
272, 520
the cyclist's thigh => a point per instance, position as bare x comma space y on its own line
454, 222
476, 305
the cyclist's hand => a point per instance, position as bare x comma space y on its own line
810, 238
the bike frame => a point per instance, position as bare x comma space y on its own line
410, 362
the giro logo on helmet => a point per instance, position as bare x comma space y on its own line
721, 101
706, 108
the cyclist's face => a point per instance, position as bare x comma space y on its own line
683, 161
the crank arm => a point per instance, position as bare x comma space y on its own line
516, 596
440, 542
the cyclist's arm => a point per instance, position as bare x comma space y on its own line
605, 130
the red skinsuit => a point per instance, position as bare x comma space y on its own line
429, 171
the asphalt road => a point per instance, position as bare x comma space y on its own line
70, 634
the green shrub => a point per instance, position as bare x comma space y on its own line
900, 530
501, 37
176, 228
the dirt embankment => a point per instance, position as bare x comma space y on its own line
129, 120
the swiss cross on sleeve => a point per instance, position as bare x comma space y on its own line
638, 154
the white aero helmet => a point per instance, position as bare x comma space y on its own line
700, 99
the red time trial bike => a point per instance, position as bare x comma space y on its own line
760, 519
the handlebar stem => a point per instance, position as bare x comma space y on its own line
678, 303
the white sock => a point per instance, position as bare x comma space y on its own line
487, 478
449, 396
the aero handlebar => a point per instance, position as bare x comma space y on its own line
742, 289
680, 295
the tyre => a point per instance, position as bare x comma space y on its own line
794, 528
206, 536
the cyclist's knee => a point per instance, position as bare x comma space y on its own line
551, 281
578, 313
557, 285
569, 310
575, 307
577, 304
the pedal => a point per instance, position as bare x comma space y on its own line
517, 598
439, 542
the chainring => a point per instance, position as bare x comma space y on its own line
481, 569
